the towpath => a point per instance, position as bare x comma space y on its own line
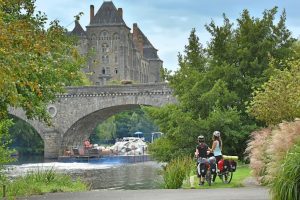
244, 193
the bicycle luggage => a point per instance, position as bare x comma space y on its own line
232, 164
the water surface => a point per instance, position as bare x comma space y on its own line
100, 174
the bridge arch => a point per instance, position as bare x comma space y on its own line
82, 128
79, 109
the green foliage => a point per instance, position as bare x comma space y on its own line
35, 63
165, 73
286, 184
214, 84
180, 132
176, 171
41, 182
124, 124
279, 98
106, 131
25, 139
5, 152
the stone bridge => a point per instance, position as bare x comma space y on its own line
77, 112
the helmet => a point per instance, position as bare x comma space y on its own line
217, 133
200, 138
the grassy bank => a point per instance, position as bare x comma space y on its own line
41, 182
242, 172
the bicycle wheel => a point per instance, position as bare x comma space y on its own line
227, 177
208, 177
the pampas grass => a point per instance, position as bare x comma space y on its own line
268, 148
283, 139
256, 151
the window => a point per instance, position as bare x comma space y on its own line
94, 37
116, 36
104, 35
105, 48
105, 59
103, 71
116, 70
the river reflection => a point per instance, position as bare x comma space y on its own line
102, 175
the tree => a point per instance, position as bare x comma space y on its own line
246, 52
106, 131
279, 98
35, 63
25, 139
214, 84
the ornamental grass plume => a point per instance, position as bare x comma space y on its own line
283, 139
256, 151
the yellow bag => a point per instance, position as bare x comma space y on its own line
225, 157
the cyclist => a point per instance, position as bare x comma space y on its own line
217, 147
202, 154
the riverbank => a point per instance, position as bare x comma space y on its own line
41, 182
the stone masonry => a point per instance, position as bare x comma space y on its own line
77, 112
114, 52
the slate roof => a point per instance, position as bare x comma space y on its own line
78, 30
148, 49
107, 15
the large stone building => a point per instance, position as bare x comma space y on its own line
116, 53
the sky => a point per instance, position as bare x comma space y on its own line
168, 23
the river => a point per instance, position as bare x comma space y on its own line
101, 174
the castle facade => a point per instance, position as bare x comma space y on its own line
114, 52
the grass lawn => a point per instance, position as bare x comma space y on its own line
242, 172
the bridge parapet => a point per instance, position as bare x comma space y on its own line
117, 90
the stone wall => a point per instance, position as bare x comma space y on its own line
77, 112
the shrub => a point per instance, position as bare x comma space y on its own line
40, 182
257, 154
286, 185
268, 148
176, 171
283, 138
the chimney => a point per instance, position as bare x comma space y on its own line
120, 12
91, 12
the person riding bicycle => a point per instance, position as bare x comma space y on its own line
202, 155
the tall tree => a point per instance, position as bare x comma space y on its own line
35, 64
214, 84
279, 98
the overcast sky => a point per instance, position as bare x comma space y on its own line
167, 23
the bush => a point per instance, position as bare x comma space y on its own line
269, 147
42, 181
283, 139
286, 185
257, 152
176, 171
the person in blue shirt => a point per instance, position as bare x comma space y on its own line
217, 148
217, 145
